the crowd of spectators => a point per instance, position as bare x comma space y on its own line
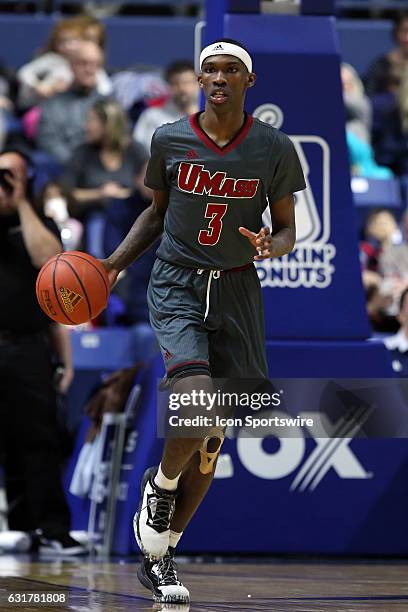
88, 133
376, 108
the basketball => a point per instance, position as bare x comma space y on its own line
72, 288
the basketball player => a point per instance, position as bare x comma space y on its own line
213, 174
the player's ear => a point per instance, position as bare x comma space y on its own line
200, 80
251, 79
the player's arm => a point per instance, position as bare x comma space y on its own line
147, 228
283, 237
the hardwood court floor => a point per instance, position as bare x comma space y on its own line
289, 586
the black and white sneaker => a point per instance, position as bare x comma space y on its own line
162, 580
61, 546
151, 522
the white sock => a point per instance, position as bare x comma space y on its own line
174, 538
169, 484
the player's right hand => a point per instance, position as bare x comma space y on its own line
113, 273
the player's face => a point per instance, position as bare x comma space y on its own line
225, 80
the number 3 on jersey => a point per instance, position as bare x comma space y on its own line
211, 235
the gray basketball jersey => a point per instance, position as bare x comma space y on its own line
215, 190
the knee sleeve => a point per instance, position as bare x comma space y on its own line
208, 458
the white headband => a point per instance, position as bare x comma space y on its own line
226, 48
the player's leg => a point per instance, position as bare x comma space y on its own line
177, 305
236, 352
178, 451
161, 577
160, 490
193, 486
160, 486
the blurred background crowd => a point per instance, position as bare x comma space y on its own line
88, 135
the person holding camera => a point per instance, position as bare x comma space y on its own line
29, 438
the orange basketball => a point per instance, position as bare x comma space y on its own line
72, 288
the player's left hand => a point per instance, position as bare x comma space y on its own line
262, 242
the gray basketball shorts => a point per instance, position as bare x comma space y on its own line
208, 321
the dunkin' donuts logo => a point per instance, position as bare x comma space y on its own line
193, 178
311, 262
70, 299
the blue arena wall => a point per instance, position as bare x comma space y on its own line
264, 497
129, 39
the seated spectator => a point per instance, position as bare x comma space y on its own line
378, 304
393, 264
102, 168
398, 344
357, 104
394, 259
137, 88
362, 162
51, 73
385, 72
358, 126
386, 84
91, 29
184, 92
54, 202
390, 128
381, 230
10, 126
62, 123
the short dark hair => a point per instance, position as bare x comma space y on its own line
402, 298
22, 152
177, 68
398, 21
232, 41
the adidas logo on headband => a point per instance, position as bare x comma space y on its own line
227, 48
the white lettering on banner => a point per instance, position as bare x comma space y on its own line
328, 453
311, 262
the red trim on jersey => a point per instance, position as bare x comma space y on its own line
187, 363
232, 144
239, 269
